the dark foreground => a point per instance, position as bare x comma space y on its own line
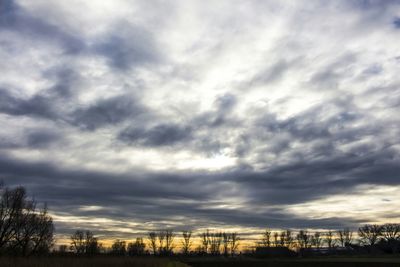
88, 262
310, 262
196, 262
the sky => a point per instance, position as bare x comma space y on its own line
127, 116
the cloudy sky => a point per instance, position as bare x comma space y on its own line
126, 116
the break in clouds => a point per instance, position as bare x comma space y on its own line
132, 115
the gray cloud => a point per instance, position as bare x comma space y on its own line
215, 115
41, 139
37, 105
396, 22
16, 19
159, 135
109, 111
128, 46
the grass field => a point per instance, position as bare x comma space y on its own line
196, 262
322, 262
88, 262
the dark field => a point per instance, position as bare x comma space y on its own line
326, 262
88, 262
149, 262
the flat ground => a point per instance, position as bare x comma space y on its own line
310, 262
198, 262
88, 262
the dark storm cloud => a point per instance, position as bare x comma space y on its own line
108, 111
37, 105
302, 181
372, 4
151, 196
124, 46
312, 124
128, 47
42, 139
16, 19
66, 82
158, 135
396, 22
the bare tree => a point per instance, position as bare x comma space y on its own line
186, 242
169, 241
205, 240
12, 202
136, 248
118, 248
276, 238
345, 237
215, 240
226, 241
370, 233
391, 234
316, 240
43, 238
78, 242
288, 239
303, 239
161, 237
84, 242
234, 243
152, 237
266, 238
92, 246
329, 239
391, 231
24, 230
282, 238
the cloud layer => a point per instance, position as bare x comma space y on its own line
185, 114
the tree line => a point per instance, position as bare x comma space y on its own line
385, 236
27, 230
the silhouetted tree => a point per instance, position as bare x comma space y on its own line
136, 248
92, 246
215, 240
316, 240
303, 239
276, 238
78, 242
329, 239
84, 242
370, 233
282, 238
266, 238
23, 229
226, 241
288, 239
345, 237
391, 231
161, 238
169, 241
186, 242
205, 240
118, 248
391, 235
234, 243
152, 236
